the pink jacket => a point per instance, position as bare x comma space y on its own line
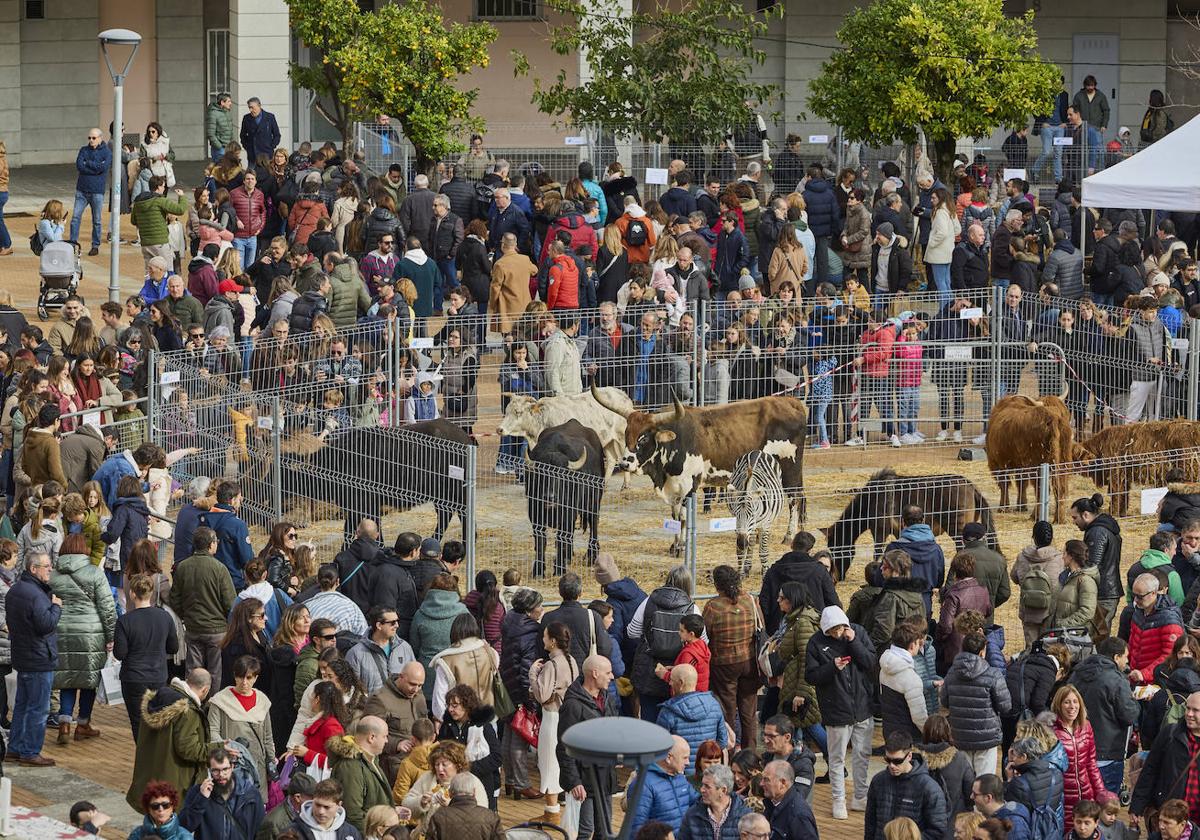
1082, 779
877, 351
909, 367
212, 234
251, 212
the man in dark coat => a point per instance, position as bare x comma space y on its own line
224, 805
463, 818
679, 201
839, 664
824, 218
584, 624
260, 131
82, 452
586, 699
173, 736
1166, 771
788, 811
917, 541
796, 565
969, 263
1035, 782
461, 194
976, 696
1110, 705
354, 564
32, 613
987, 792
391, 580
905, 789
991, 569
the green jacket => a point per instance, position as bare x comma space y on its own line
1075, 605
88, 622
1148, 562
348, 296
991, 569
363, 783
172, 742
202, 594
793, 648
901, 597
149, 215
187, 311
218, 126
306, 673
862, 604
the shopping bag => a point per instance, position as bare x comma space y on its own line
108, 691
570, 816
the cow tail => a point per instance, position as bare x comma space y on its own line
984, 511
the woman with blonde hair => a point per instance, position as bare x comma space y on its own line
52, 223
965, 825
5, 239
229, 264
380, 820
431, 791
1082, 778
901, 828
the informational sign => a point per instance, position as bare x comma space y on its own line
972, 312
1150, 499
656, 176
92, 418
575, 141
818, 138
1180, 344
169, 377
267, 422
455, 473
723, 524
954, 353
421, 343
1009, 174
672, 526
1064, 141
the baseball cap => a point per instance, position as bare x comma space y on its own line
229, 286
431, 549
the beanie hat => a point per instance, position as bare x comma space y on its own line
886, 229
606, 569
833, 617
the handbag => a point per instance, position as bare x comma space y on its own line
502, 704
108, 690
770, 664
526, 724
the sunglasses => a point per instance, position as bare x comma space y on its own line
392, 622
290, 536
328, 638
159, 806
896, 762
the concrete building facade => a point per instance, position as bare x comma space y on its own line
53, 84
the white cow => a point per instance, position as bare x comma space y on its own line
528, 418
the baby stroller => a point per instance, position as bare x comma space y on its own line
61, 270
1077, 640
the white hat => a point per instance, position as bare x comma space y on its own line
833, 617
1123, 130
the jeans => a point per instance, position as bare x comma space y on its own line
66, 704
5, 239
941, 279
1049, 150
910, 402
878, 391
216, 153
821, 260
819, 735
247, 249
449, 281
595, 812
820, 409
649, 710
512, 453
857, 740
96, 202
1113, 774
29, 713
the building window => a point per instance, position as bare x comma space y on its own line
218, 63
507, 9
765, 5
35, 10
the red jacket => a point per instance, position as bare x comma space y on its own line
877, 351
562, 290
1082, 777
317, 733
251, 212
697, 655
1151, 637
582, 235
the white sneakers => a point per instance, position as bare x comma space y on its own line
839, 810
958, 437
854, 441
944, 434
858, 805
981, 440
910, 439
895, 441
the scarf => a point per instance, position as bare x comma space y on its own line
88, 388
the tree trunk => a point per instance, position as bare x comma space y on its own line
943, 162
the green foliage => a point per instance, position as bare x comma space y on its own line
952, 68
667, 73
403, 60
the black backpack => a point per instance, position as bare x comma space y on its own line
662, 634
35, 243
636, 234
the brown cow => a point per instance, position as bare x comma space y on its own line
1119, 456
1024, 433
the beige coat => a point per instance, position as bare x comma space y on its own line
549, 680
509, 293
227, 721
788, 265
858, 229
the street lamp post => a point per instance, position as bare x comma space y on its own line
608, 742
124, 38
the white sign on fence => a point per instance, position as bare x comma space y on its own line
92, 418
455, 473
575, 141
1180, 344
722, 524
1064, 141
672, 526
818, 138
421, 343
656, 176
1150, 499
169, 377
1009, 174
267, 422
973, 312
955, 353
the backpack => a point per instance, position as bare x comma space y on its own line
636, 234
1037, 593
662, 635
1176, 705
35, 244
1045, 822
484, 195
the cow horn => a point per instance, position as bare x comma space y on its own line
578, 463
679, 412
624, 412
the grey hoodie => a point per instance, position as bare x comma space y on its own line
310, 827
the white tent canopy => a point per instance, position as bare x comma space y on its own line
1164, 176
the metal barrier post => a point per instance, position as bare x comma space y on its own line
699, 316
470, 482
152, 385
1044, 493
693, 526
276, 459
997, 322
1193, 355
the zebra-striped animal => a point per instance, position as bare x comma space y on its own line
755, 496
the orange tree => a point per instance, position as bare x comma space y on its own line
403, 60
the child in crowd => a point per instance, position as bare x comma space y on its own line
417, 760
76, 519
1111, 828
821, 392
1085, 821
910, 353
334, 419
130, 523
129, 420
510, 583
695, 652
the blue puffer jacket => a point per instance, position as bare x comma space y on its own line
696, 717
115, 467
624, 596
697, 826
928, 561
824, 215
233, 542
93, 165
664, 799
32, 625
521, 639
171, 831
